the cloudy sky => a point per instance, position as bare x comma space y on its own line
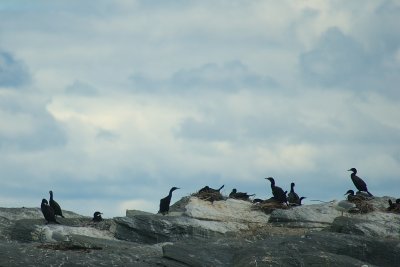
111, 103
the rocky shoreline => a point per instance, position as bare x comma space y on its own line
200, 233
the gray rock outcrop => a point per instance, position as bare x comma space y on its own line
201, 233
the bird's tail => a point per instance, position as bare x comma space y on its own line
371, 195
221, 187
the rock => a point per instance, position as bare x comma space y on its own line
201, 233
200, 219
152, 229
315, 249
316, 216
376, 224
229, 211
133, 213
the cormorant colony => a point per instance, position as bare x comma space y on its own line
51, 208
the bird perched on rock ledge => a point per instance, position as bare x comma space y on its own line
344, 205
360, 196
239, 195
277, 192
56, 207
293, 197
358, 182
97, 217
164, 202
48, 212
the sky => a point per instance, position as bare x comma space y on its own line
111, 103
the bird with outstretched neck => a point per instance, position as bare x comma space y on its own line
48, 212
56, 207
277, 192
164, 202
358, 182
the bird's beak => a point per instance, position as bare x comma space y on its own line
349, 170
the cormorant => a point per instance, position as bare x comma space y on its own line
207, 189
97, 216
355, 197
239, 195
56, 207
48, 212
293, 198
277, 192
358, 182
164, 202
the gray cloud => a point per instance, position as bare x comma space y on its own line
340, 61
336, 60
29, 126
13, 73
231, 76
81, 88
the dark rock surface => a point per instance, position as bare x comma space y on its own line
314, 249
200, 233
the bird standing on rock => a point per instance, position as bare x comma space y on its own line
355, 197
277, 192
48, 212
97, 216
56, 207
358, 182
239, 195
344, 205
208, 189
293, 198
164, 202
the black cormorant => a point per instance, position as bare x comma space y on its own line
239, 195
356, 197
97, 216
164, 202
207, 189
293, 198
358, 182
277, 192
56, 207
48, 212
